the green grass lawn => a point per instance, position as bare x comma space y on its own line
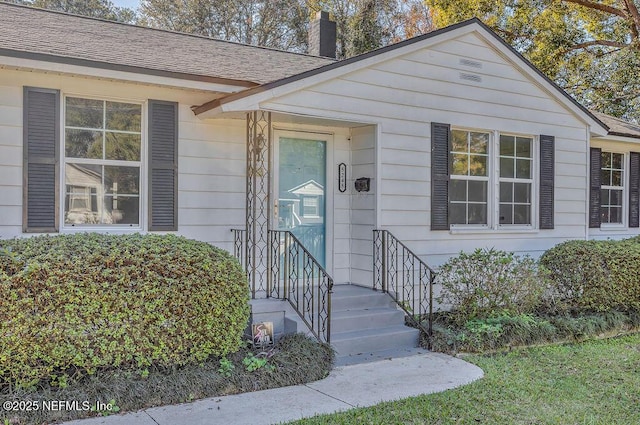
595, 382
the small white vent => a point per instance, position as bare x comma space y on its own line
471, 77
470, 63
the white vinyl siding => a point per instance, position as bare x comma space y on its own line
10, 159
362, 215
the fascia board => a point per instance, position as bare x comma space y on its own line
38, 65
614, 138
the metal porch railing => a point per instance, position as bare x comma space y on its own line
401, 274
239, 238
293, 274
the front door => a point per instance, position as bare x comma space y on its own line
300, 181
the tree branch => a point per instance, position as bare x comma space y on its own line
601, 7
596, 43
635, 16
627, 96
507, 33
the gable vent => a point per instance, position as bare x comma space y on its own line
470, 63
471, 77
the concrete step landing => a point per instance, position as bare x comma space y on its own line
367, 325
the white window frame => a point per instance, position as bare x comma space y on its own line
533, 181
487, 178
493, 190
625, 188
142, 165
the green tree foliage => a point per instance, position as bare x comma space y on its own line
364, 25
590, 48
103, 9
269, 23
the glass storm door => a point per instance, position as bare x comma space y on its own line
301, 195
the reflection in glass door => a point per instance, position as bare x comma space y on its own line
301, 192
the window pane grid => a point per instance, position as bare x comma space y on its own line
102, 162
70, 127
611, 205
516, 182
125, 121
469, 178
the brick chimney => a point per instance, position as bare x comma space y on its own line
322, 36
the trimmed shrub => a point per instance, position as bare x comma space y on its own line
489, 283
594, 275
72, 304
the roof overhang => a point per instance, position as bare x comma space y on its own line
619, 129
613, 137
75, 66
251, 99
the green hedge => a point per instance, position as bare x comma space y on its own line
594, 275
74, 303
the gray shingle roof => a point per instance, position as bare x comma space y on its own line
59, 37
618, 127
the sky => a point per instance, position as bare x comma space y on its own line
133, 4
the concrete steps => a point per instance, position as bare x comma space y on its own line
351, 297
354, 320
366, 324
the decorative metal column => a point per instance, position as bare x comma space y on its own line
258, 199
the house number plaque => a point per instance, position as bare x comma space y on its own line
342, 177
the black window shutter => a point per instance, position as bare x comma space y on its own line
440, 147
594, 187
41, 142
634, 189
547, 178
163, 165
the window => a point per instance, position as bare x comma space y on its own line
102, 162
487, 180
310, 207
491, 187
612, 187
468, 196
86, 169
516, 180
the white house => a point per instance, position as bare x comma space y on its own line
457, 142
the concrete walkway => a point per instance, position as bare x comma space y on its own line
345, 388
